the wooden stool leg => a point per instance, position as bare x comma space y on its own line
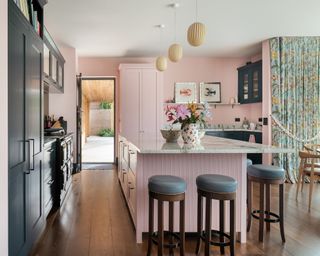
151, 219
171, 223
160, 228
268, 192
281, 214
261, 219
208, 227
249, 198
200, 221
182, 229
232, 227
221, 224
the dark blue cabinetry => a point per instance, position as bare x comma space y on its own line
250, 83
243, 136
26, 218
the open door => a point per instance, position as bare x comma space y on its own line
79, 122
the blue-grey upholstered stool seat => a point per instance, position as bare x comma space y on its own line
171, 189
266, 171
266, 175
222, 188
167, 184
249, 162
216, 183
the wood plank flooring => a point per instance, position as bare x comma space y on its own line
95, 221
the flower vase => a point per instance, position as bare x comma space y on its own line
190, 134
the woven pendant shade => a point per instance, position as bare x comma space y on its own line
161, 63
175, 52
196, 34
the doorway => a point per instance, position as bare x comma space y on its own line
97, 117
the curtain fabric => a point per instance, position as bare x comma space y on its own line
295, 71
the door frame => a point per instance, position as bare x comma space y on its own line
113, 78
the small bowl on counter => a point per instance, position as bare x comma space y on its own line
171, 136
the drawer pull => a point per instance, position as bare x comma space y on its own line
50, 182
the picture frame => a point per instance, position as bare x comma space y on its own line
210, 92
185, 92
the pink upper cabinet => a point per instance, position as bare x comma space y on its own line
141, 101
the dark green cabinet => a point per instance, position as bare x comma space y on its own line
243, 136
250, 83
49, 174
25, 133
53, 65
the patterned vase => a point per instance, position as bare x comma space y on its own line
190, 134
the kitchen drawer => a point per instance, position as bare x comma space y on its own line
49, 161
132, 194
48, 192
133, 160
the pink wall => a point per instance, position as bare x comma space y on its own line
4, 128
187, 70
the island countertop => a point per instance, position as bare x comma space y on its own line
209, 145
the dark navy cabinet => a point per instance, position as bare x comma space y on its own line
243, 136
26, 219
49, 175
250, 83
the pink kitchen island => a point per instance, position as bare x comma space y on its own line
145, 158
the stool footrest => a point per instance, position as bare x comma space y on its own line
275, 219
174, 236
217, 233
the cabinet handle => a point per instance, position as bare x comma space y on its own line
31, 155
50, 150
27, 171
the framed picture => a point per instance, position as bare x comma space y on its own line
210, 92
185, 92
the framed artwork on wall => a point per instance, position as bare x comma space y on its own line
185, 92
210, 92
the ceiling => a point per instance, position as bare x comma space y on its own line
126, 28
98, 90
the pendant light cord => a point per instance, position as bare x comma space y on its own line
196, 10
175, 25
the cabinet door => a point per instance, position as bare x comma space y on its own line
256, 83
60, 76
46, 60
129, 110
18, 154
34, 133
244, 78
53, 67
148, 104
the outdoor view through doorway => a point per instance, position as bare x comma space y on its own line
98, 108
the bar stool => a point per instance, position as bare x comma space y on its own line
222, 188
166, 188
266, 175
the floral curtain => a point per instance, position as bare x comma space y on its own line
295, 84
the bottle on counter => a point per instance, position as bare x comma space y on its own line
245, 123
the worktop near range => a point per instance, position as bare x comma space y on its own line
214, 155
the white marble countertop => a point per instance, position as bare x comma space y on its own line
230, 129
209, 145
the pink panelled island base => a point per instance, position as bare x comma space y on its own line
214, 155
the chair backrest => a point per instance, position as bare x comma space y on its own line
312, 147
308, 154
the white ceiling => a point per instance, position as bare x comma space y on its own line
119, 28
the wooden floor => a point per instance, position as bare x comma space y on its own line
94, 221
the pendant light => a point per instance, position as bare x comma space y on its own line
175, 51
161, 61
196, 31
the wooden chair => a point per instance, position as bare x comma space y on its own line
308, 166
